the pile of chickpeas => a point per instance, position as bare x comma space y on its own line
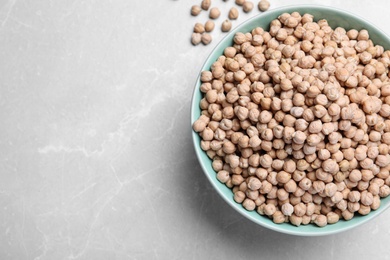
296, 121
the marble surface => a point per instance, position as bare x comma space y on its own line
96, 157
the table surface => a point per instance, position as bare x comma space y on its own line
96, 156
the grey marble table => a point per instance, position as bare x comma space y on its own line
96, 157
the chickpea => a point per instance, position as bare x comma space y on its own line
195, 10
269, 209
239, 196
214, 13
263, 5
226, 26
249, 204
205, 5
283, 177
299, 137
209, 26
247, 6
233, 13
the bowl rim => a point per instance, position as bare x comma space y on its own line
196, 142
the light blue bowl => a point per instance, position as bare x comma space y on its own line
335, 18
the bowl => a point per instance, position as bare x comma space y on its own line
335, 17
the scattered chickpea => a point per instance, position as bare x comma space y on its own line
206, 38
205, 5
209, 26
195, 10
247, 6
196, 38
263, 5
226, 26
233, 13
240, 2
214, 13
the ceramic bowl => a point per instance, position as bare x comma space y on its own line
336, 18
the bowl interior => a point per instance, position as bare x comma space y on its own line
335, 18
